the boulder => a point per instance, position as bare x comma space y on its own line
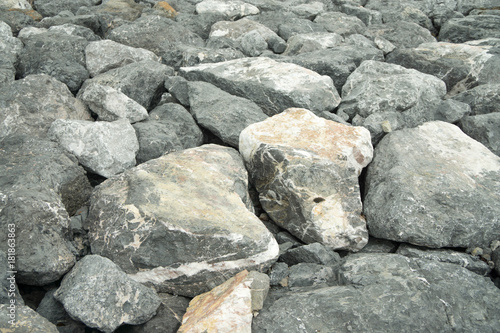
10, 47
223, 114
304, 43
30, 105
367, 16
184, 222
433, 186
126, 10
231, 10
402, 34
308, 10
26, 320
484, 128
482, 99
495, 255
315, 253
311, 275
200, 24
76, 30
102, 296
188, 55
54, 311
295, 26
271, 85
228, 307
278, 274
52, 8
340, 23
306, 170
18, 4
472, 27
8, 286
378, 245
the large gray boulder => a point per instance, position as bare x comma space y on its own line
306, 170
26, 321
482, 99
472, 27
184, 222
484, 128
378, 292
272, 85
295, 26
30, 105
10, 47
102, 296
433, 186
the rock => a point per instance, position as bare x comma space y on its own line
106, 148
231, 10
76, 30
340, 23
19, 4
56, 54
223, 114
376, 287
495, 255
472, 263
8, 286
142, 81
26, 320
102, 296
456, 64
101, 56
279, 274
295, 26
52, 8
271, 85
229, 306
200, 24
177, 86
482, 99
311, 275
402, 34
127, 10
93, 22
367, 16
305, 169
384, 45
451, 111
10, 47
377, 245
165, 9
187, 55
110, 104
433, 186
17, 20
303, 43
174, 236
473, 27
312, 253
30, 105
484, 128
308, 10
53, 311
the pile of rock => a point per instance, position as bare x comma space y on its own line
249, 166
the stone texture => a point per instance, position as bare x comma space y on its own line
303, 43
223, 114
340, 23
184, 222
106, 148
482, 99
27, 321
228, 307
473, 27
102, 296
294, 26
312, 253
495, 255
484, 128
311, 275
9, 51
8, 286
76, 30
52, 8
93, 22
368, 16
16, 19
400, 33
305, 169
433, 186
54, 311
231, 10
272, 85
377, 245
188, 55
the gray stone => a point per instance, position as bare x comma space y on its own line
472, 263
232, 10
308, 10
311, 275
30, 105
10, 47
93, 22
54, 311
312, 253
402, 34
272, 85
472, 27
451, 111
305, 169
26, 321
482, 99
200, 24
273, 19
184, 221
52, 8
303, 43
177, 86
188, 55
368, 16
56, 54
142, 81
110, 104
495, 256
252, 43
223, 114
378, 245
341, 23
380, 123
76, 30
384, 45
8, 286
17, 20
433, 186
378, 293
17, 4
484, 128
279, 272
102, 296
296, 26
101, 56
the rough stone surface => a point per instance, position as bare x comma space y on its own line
433, 186
27, 321
484, 128
231, 10
340, 23
54, 311
305, 169
377, 245
10, 48
495, 255
311, 253
184, 221
272, 85
303, 43
296, 26
106, 148
473, 27
482, 99
311, 275
102, 296
401, 34
52, 8
8, 286
76, 30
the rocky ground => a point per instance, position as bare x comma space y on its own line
258, 166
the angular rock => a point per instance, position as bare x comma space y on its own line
495, 255
52, 8
368, 16
76, 30
177, 86
303, 43
228, 307
377, 245
308, 10
232, 10
106, 148
53, 311
305, 169
26, 320
30, 105
433, 186
8, 285
164, 9
102, 296
473, 27
312, 253
482, 99
110, 104
295, 26
200, 24
340, 23
19, 4
93, 22
10, 47
279, 274
142, 81
271, 85
223, 114
184, 221
311, 275
187, 55
402, 34
484, 128
17, 20
451, 111
101, 56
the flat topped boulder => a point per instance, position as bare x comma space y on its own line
181, 222
272, 85
305, 169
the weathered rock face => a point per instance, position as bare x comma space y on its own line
378, 292
304, 43
76, 30
52, 8
482, 99
473, 27
102, 296
26, 320
340, 23
231, 10
228, 307
433, 186
400, 33
54, 311
305, 169
272, 85
106, 148
9, 51
29, 106
183, 223
484, 128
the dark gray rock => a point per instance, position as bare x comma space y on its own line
76, 30
223, 114
304, 43
378, 245
26, 320
380, 123
57, 54
484, 128
200, 24
378, 292
472, 27
295, 26
8, 286
451, 111
142, 81
279, 274
102, 296
52, 8
495, 256
188, 55
274, 19
340, 23
177, 86
9, 51
368, 16
311, 253
17, 20
402, 34
472, 263
433, 186
482, 99
311, 275
54, 311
